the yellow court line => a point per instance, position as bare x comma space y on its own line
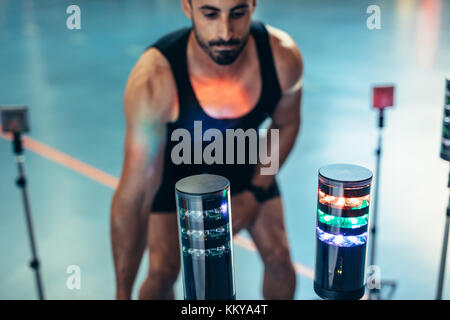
112, 182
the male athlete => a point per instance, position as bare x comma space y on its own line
228, 72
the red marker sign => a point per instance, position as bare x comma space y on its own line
383, 97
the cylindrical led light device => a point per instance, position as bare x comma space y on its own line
205, 233
341, 231
445, 145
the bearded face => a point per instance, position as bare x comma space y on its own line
222, 27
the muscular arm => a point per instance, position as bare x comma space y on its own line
148, 107
287, 115
286, 119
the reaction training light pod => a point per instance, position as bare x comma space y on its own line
341, 231
205, 233
445, 145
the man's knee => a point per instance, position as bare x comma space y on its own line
278, 259
159, 283
166, 274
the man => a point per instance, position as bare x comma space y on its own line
227, 72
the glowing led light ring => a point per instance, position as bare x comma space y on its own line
344, 203
217, 213
203, 234
341, 240
342, 222
214, 252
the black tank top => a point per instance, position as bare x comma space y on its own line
174, 47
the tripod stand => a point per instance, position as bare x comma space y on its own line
375, 293
21, 183
444, 250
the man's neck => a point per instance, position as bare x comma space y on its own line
204, 67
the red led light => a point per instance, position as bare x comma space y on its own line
343, 203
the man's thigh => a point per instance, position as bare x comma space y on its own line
164, 249
268, 229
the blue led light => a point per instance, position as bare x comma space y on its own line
224, 209
340, 240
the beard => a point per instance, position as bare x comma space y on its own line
222, 57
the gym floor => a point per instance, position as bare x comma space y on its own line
73, 82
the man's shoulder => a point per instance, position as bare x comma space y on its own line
151, 81
152, 65
287, 56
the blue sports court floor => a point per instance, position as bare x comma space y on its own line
73, 82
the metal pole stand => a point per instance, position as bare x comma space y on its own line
22, 184
375, 293
444, 250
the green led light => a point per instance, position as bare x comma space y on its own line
364, 204
445, 132
341, 222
